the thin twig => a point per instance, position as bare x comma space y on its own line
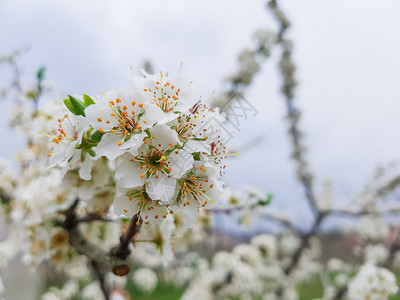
101, 261
122, 250
96, 256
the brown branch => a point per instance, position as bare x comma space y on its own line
287, 68
101, 261
362, 212
122, 250
305, 239
340, 293
304, 175
95, 255
92, 217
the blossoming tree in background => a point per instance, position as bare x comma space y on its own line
121, 191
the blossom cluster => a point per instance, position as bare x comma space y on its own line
372, 283
166, 147
152, 148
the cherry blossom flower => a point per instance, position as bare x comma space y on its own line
198, 189
65, 142
199, 128
137, 201
158, 164
170, 95
123, 120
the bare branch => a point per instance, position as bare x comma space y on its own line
122, 250
101, 261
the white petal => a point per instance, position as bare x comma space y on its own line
58, 155
123, 206
167, 117
71, 151
161, 188
167, 227
103, 111
82, 124
189, 94
108, 146
197, 146
85, 171
181, 161
153, 114
128, 174
190, 214
134, 142
163, 135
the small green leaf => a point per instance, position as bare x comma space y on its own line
147, 131
87, 100
266, 201
91, 153
76, 106
40, 73
83, 156
68, 104
179, 197
196, 155
96, 136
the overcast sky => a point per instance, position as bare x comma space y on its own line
347, 54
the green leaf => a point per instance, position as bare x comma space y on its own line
76, 106
196, 155
179, 197
96, 136
83, 156
87, 100
147, 131
91, 153
68, 104
40, 73
266, 201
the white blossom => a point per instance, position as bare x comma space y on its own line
145, 279
266, 244
376, 253
92, 292
372, 283
169, 95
